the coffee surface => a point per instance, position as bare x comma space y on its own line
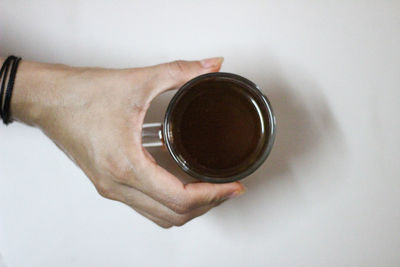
217, 129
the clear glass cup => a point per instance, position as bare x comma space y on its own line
159, 134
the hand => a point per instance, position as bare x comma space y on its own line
95, 116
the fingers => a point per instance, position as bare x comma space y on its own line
167, 189
156, 211
160, 222
174, 74
161, 194
147, 186
107, 188
145, 205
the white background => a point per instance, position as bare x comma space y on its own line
328, 195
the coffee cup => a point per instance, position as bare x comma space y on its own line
218, 127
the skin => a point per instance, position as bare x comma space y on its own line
95, 116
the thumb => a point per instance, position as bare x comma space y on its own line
174, 74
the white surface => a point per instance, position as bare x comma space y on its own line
328, 195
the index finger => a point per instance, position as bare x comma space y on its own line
164, 187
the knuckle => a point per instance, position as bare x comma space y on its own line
120, 170
181, 220
213, 199
210, 197
183, 207
104, 190
180, 207
140, 109
176, 68
165, 225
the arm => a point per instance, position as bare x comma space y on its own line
95, 116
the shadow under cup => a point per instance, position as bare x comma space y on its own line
219, 127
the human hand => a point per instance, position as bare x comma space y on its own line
95, 116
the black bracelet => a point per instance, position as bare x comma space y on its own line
3, 77
10, 64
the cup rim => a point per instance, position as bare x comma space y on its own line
264, 152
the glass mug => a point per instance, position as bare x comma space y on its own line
218, 128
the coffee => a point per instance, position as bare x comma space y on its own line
217, 128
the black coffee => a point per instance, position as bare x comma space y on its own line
217, 128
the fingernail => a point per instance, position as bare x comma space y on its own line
209, 63
238, 192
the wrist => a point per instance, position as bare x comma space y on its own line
35, 91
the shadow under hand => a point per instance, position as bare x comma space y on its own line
304, 124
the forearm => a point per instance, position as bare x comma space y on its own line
35, 90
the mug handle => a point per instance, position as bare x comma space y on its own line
152, 135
